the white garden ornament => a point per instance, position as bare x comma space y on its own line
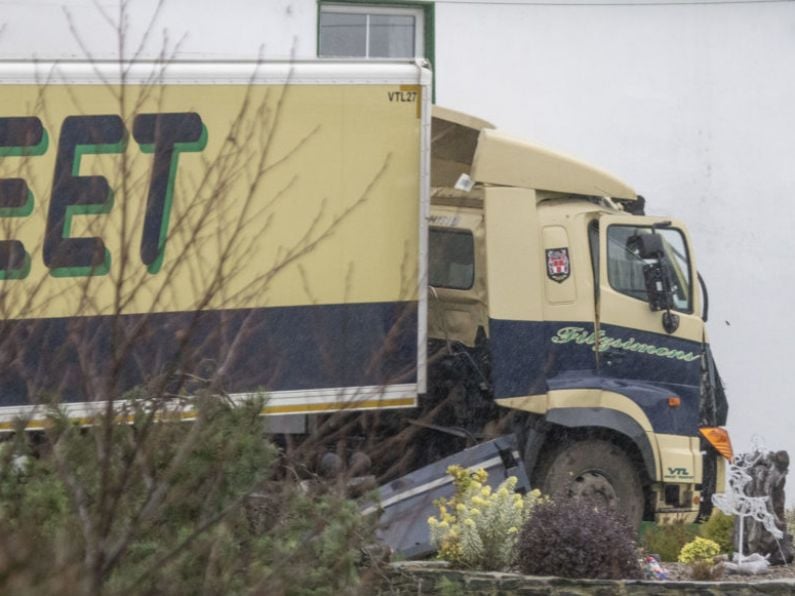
737, 502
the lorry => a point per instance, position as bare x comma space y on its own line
320, 233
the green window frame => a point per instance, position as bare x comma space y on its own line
428, 21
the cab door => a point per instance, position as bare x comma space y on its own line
635, 348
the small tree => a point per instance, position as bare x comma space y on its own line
196, 512
118, 495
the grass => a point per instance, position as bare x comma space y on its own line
667, 540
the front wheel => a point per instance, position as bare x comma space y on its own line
598, 471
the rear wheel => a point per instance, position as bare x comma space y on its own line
598, 471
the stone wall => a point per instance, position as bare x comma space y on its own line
428, 579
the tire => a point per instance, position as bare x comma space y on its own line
597, 470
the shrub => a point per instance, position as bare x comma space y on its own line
720, 528
667, 540
478, 527
699, 549
174, 513
571, 538
700, 555
791, 521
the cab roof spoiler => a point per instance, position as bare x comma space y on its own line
463, 144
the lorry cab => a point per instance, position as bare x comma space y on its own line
583, 315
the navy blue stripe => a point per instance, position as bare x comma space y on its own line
525, 361
286, 348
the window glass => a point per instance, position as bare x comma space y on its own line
343, 34
593, 245
451, 262
676, 251
392, 36
362, 31
625, 267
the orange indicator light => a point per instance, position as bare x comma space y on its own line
718, 437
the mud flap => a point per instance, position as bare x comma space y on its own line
406, 503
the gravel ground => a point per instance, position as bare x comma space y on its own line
680, 572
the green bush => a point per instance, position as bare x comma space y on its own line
719, 528
699, 549
169, 507
571, 538
699, 554
667, 540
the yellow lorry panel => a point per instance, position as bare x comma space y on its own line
285, 172
275, 225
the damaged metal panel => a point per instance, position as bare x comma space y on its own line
462, 144
406, 503
454, 138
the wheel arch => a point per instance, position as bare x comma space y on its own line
559, 425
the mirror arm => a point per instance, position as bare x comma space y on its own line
670, 321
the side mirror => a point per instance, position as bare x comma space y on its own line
647, 246
658, 291
658, 288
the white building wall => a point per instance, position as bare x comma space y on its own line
693, 103
219, 29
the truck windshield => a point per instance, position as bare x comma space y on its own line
625, 267
451, 262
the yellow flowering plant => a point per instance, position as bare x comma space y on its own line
700, 555
478, 527
699, 549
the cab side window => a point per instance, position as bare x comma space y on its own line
625, 267
451, 262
